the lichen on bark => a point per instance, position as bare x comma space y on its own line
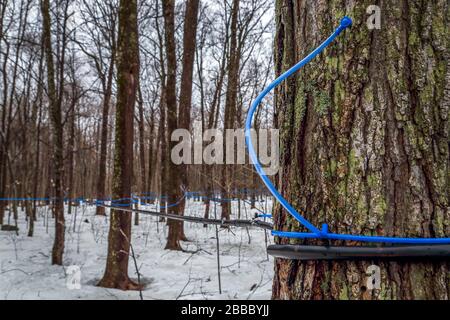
364, 141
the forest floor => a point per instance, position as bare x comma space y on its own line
246, 270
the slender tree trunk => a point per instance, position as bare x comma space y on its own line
173, 182
119, 240
36, 161
101, 180
141, 129
71, 151
151, 153
230, 104
2, 184
36, 120
162, 140
189, 45
162, 129
214, 117
3, 144
365, 131
58, 151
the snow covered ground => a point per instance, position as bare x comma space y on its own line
246, 270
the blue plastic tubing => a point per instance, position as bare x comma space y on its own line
314, 233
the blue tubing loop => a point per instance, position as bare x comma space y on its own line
314, 233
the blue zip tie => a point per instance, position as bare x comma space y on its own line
315, 233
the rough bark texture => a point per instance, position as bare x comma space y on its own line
36, 120
141, 128
104, 135
162, 134
364, 141
230, 104
57, 137
70, 152
173, 173
189, 44
151, 153
116, 273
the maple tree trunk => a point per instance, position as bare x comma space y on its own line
101, 179
173, 182
189, 44
364, 141
57, 138
116, 273
230, 105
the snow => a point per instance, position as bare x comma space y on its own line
246, 270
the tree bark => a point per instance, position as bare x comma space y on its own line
36, 119
189, 45
57, 128
230, 105
141, 129
151, 154
71, 144
364, 141
101, 180
173, 182
162, 128
3, 144
116, 273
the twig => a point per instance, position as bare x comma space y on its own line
135, 264
184, 288
137, 271
6, 271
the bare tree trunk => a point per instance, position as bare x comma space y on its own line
189, 45
71, 144
101, 180
365, 136
162, 140
141, 129
162, 129
36, 161
214, 115
36, 120
3, 124
58, 151
230, 105
151, 152
173, 182
116, 273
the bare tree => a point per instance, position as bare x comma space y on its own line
230, 102
116, 272
173, 182
101, 26
189, 45
58, 151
